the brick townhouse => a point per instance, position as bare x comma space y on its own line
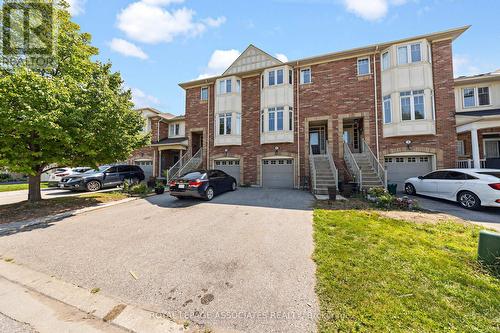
374, 114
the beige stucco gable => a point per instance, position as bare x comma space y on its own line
251, 59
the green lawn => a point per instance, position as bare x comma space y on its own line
376, 274
16, 187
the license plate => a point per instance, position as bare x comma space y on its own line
181, 186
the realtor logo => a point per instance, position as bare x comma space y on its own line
28, 34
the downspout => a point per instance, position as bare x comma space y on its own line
297, 81
376, 101
208, 129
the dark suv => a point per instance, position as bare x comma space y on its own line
105, 176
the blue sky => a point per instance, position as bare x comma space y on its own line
156, 44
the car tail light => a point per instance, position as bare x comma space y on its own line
195, 183
495, 186
172, 183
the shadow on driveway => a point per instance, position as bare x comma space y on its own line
257, 197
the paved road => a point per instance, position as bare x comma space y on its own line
239, 263
13, 326
47, 193
488, 217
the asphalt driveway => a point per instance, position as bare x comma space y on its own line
239, 263
488, 217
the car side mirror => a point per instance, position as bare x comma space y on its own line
420, 177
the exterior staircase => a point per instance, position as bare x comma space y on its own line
186, 164
369, 176
325, 176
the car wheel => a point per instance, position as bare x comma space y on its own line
209, 194
410, 189
469, 200
233, 186
93, 186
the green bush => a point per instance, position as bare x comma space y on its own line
4, 177
139, 189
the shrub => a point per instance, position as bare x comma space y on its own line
138, 189
4, 177
383, 199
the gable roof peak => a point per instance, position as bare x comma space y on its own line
251, 59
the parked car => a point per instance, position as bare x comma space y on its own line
471, 188
104, 177
56, 176
202, 184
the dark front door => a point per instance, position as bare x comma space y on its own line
317, 140
197, 142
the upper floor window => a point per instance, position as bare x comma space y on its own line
409, 53
305, 76
174, 130
476, 96
238, 124
225, 123
204, 93
386, 60
275, 117
276, 77
363, 66
290, 76
290, 118
412, 105
387, 110
225, 86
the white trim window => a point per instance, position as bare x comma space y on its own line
237, 129
412, 105
174, 130
290, 118
460, 147
305, 76
386, 60
225, 86
276, 77
238, 86
475, 96
204, 93
262, 122
363, 66
276, 119
225, 123
387, 109
409, 53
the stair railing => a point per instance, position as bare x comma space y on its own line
193, 163
332, 165
312, 167
352, 165
375, 163
174, 169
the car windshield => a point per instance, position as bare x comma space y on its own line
491, 173
194, 175
100, 169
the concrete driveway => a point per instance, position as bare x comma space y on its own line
241, 263
487, 217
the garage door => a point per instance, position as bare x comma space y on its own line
277, 173
231, 167
147, 167
400, 168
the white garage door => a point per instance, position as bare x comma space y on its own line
277, 173
231, 167
400, 168
147, 167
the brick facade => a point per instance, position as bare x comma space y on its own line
336, 93
466, 137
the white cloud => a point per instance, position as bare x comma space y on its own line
371, 10
148, 22
219, 62
281, 57
76, 7
127, 49
462, 65
141, 99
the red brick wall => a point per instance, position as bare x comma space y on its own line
336, 91
466, 137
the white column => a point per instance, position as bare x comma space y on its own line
159, 163
475, 148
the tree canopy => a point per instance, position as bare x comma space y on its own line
74, 112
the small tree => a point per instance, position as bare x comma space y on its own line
75, 112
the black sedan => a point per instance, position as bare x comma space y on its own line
105, 176
202, 184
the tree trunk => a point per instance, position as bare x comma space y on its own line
34, 194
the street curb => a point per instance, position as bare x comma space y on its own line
130, 318
20, 225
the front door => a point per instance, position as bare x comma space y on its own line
352, 137
317, 140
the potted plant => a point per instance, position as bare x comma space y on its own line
159, 187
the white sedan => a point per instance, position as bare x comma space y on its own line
56, 175
471, 188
